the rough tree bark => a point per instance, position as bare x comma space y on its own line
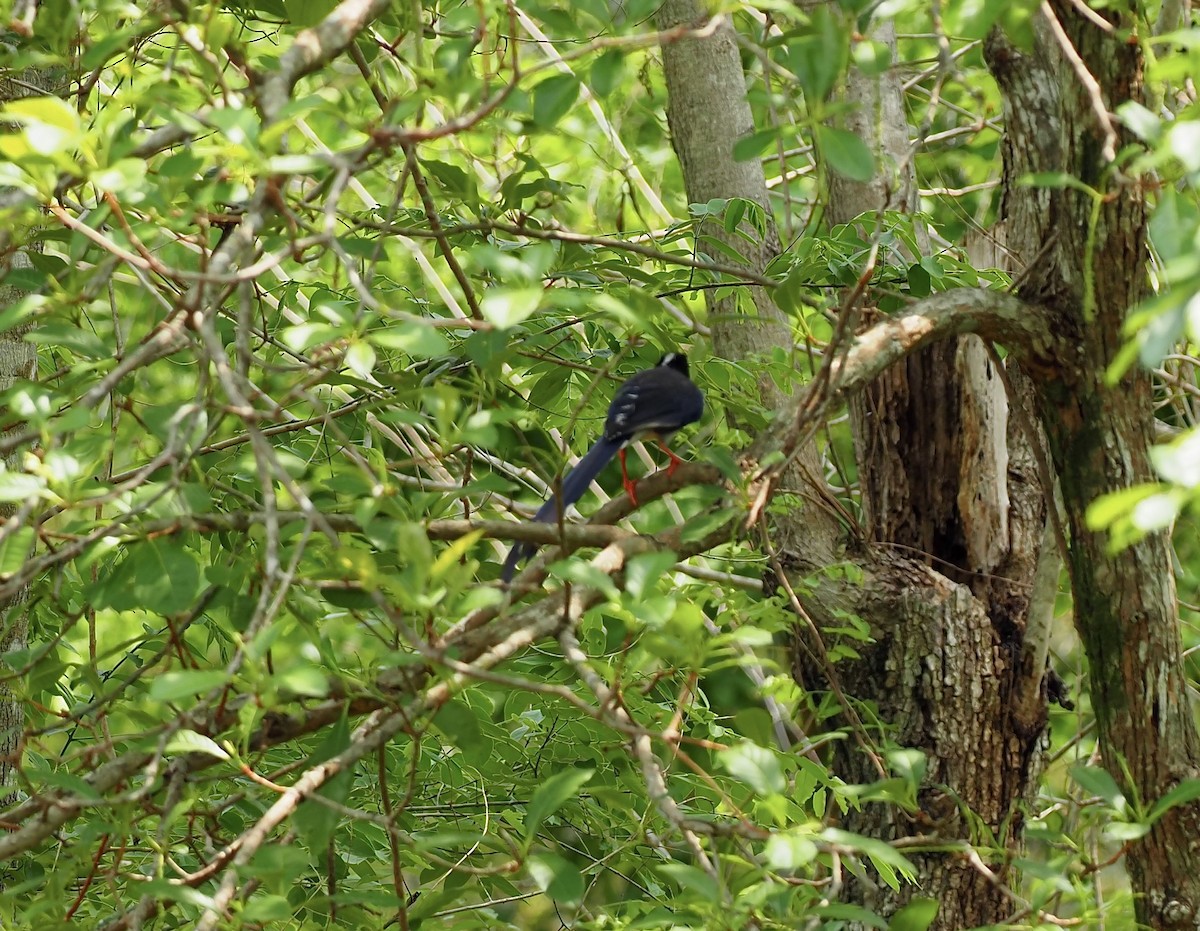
18, 360
1084, 261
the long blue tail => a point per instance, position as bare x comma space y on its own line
573, 487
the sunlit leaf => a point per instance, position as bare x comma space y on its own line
556, 876
552, 794
845, 153
756, 766
917, 915
186, 684
186, 741
506, 307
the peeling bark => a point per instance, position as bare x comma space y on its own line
932, 441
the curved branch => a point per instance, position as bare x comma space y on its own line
997, 316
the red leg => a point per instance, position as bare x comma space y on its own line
675, 460
626, 480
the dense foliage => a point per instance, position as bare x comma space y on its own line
303, 350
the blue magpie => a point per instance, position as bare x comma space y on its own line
654, 403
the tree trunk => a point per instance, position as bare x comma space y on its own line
707, 111
1083, 258
932, 444
945, 664
18, 360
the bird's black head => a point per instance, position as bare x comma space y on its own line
676, 361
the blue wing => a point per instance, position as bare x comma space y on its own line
658, 400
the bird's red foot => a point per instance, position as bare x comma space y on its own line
626, 480
675, 460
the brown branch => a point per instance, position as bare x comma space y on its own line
995, 315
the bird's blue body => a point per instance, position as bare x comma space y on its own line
653, 403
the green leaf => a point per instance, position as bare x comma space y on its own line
157, 575
1096, 781
551, 795
417, 339
556, 876
51, 111
1183, 794
755, 144
972, 19
506, 307
693, 879
82, 342
15, 549
186, 741
845, 153
817, 59
553, 99
714, 208
844, 911
264, 908
1183, 139
1159, 336
699, 527
1124, 831
606, 72
1142, 122
788, 850
1157, 511
306, 679
644, 569
460, 722
734, 213
187, 683
1179, 462
1106, 511
871, 57
756, 766
919, 282
360, 358
917, 915
875, 849
26, 306
40, 773
908, 763
454, 180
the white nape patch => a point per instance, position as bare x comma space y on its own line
669, 358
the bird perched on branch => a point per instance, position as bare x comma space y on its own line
652, 404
